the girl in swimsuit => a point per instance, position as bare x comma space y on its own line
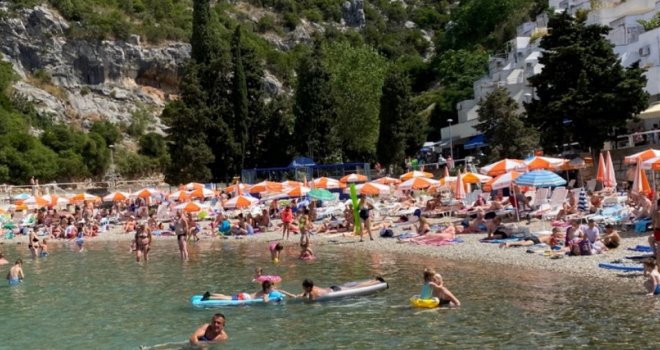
142, 242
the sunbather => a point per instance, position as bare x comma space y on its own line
611, 238
568, 208
553, 239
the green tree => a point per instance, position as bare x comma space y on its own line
315, 129
202, 37
456, 70
109, 131
357, 74
506, 129
401, 130
584, 85
239, 99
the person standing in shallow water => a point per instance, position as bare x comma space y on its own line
15, 274
181, 228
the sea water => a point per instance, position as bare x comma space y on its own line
102, 299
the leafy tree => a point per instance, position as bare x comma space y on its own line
456, 70
357, 74
315, 129
584, 85
153, 145
202, 38
109, 131
506, 130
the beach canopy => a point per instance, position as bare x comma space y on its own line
502, 181
371, 189
240, 202
502, 166
387, 181
546, 163
644, 155
540, 178
191, 186
321, 194
413, 174
36, 202
354, 178
238, 188
417, 183
116, 197
326, 182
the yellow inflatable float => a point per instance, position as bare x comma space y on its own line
424, 303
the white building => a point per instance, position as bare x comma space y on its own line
511, 70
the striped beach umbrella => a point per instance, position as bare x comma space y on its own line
296, 191
291, 183
191, 186
146, 192
610, 176
180, 196
237, 188
413, 174
202, 193
474, 178
644, 155
547, 163
387, 181
540, 178
36, 202
266, 186
80, 197
190, 207
371, 189
582, 201
116, 197
326, 182
352, 178
501, 167
55, 200
641, 182
240, 202
502, 181
417, 183
459, 190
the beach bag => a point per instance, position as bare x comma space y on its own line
585, 247
386, 232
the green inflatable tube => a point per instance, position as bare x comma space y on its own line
356, 211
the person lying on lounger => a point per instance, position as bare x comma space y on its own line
554, 239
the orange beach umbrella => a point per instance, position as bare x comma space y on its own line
459, 190
413, 174
641, 182
501, 167
600, 173
354, 178
116, 197
371, 189
328, 183
83, 197
546, 163
610, 177
417, 183
644, 155
240, 202
387, 181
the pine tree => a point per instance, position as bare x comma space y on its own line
239, 99
202, 38
506, 130
583, 94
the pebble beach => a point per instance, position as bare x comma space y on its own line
471, 250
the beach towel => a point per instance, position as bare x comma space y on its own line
440, 242
641, 225
641, 248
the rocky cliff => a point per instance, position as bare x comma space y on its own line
81, 81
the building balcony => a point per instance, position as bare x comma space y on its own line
605, 16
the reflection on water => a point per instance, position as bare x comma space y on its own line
103, 299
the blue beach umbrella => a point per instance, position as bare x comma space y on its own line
540, 178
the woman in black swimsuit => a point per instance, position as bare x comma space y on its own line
33, 243
142, 242
364, 206
181, 228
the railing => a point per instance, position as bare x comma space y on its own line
651, 137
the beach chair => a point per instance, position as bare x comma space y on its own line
162, 213
557, 199
591, 185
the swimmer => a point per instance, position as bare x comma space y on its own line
15, 274
43, 248
275, 249
260, 277
213, 331
312, 292
652, 284
443, 294
267, 292
3, 261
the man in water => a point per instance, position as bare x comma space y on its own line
313, 292
15, 274
213, 331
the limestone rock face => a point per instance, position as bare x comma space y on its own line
101, 80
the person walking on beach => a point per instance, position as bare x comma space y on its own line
181, 228
287, 218
213, 331
15, 274
142, 242
365, 223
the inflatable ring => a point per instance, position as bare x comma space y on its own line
424, 303
273, 278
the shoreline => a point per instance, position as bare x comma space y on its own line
470, 251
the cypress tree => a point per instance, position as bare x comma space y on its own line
394, 105
201, 40
239, 99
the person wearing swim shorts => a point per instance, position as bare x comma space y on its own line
267, 292
210, 332
15, 274
181, 228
